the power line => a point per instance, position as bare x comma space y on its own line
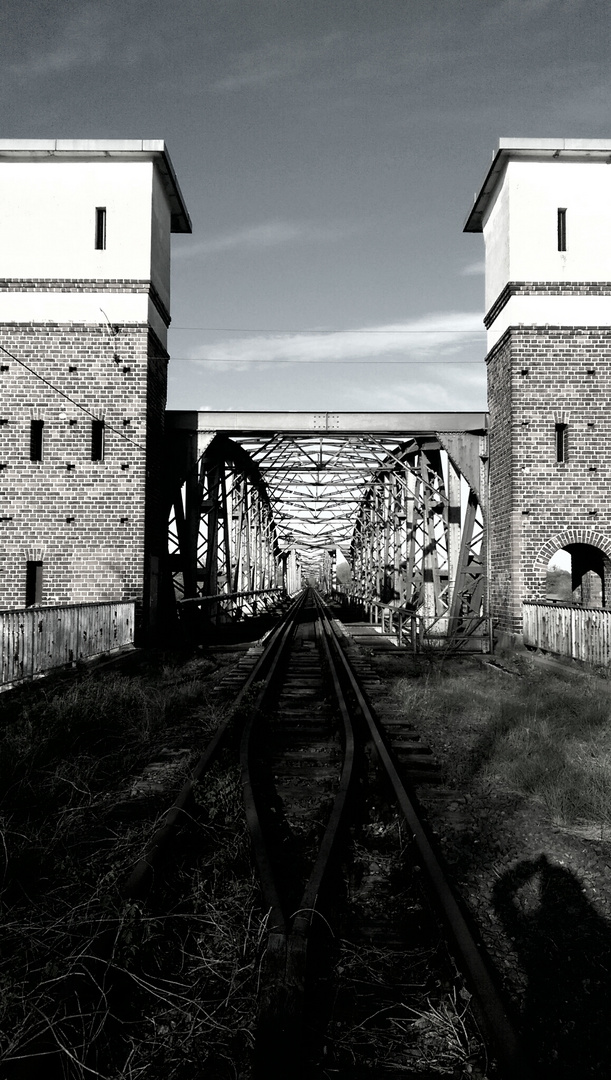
279, 360
67, 397
245, 330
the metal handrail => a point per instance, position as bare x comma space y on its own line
218, 597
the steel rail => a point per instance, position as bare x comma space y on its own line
279, 1033
493, 1014
271, 898
143, 874
304, 916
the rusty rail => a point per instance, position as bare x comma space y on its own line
284, 973
279, 1047
143, 874
495, 1020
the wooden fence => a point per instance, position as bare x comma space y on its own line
37, 639
579, 632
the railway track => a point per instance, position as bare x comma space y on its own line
370, 968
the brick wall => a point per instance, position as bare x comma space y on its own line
86, 520
156, 506
537, 377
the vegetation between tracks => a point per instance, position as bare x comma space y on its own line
421, 1023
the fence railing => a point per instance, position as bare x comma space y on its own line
567, 630
36, 639
230, 606
415, 630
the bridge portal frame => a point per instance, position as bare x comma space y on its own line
401, 468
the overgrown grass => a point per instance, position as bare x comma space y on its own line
96, 728
118, 989
75, 951
546, 735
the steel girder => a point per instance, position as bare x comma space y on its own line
406, 515
222, 535
269, 508
419, 540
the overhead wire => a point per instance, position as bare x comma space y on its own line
231, 360
67, 397
390, 330
282, 360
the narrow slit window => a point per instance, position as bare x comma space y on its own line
97, 440
36, 439
561, 442
33, 583
561, 228
100, 228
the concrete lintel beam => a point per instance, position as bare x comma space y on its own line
392, 423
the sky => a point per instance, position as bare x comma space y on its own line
328, 152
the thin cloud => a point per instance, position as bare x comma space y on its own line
473, 269
82, 39
463, 390
271, 62
268, 234
439, 335
87, 37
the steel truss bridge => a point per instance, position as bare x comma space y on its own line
388, 507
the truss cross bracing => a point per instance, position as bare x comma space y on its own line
395, 504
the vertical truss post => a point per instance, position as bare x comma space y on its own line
193, 509
237, 517
387, 591
261, 550
428, 556
412, 484
332, 569
371, 547
293, 573
211, 508
467, 599
180, 542
225, 534
398, 530
376, 554
248, 540
453, 528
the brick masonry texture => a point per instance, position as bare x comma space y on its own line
94, 524
537, 377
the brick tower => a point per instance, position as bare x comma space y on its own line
84, 309
545, 212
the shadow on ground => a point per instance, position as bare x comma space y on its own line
564, 947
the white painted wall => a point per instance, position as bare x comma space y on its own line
520, 229
496, 238
47, 219
85, 307
550, 311
160, 240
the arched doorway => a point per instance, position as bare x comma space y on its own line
579, 574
